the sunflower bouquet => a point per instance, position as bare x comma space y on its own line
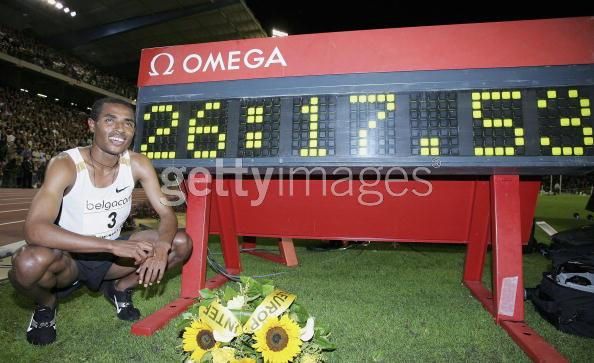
252, 322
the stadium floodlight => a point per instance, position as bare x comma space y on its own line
42, 95
278, 33
61, 6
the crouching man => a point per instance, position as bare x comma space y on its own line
75, 220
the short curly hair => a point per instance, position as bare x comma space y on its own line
98, 105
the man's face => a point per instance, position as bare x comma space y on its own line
114, 128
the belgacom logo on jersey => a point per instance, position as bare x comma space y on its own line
106, 205
232, 60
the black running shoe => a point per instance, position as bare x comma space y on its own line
122, 300
42, 328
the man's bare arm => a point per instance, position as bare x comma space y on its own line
145, 173
154, 268
40, 229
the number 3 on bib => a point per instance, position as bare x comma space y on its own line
112, 219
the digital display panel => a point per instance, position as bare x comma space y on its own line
507, 123
314, 126
259, 123
565, 122
434, 123
517, 101
372, 124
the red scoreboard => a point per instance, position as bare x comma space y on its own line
475, 98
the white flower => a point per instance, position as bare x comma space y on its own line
236, 303
308, 331
223, 336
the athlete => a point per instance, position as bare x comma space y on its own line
75, 220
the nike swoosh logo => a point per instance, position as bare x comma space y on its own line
115, 299
119, 190
30, 325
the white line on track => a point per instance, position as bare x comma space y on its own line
14, 210
2, 224
11, 248
1, 204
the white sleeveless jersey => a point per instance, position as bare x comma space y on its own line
99, 212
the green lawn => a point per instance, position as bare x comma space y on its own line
383, 302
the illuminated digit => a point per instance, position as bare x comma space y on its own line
434, 123
498, 126
372, 124
565, 122
314, 119
207, 130
159, 132
259, 125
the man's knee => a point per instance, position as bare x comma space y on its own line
30, 263
182, 245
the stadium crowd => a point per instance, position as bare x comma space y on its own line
32, 131
27, 48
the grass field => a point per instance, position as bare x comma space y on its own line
383, 302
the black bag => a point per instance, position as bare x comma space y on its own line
565, 297
570, 244
575, 237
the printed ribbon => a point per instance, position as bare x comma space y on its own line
274, 304
222, 321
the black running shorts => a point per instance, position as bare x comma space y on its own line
92, 267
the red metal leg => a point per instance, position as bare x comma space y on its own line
287, 255
287, 251
506, 235
478, 234
194, 271
508, 306
535, 346
476, 249
229, 243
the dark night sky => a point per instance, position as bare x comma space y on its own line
307, 16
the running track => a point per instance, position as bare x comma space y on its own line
14, 205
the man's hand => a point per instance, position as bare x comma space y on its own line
154, 267
138, 250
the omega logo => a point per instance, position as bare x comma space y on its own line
233, 60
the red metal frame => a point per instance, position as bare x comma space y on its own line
194, 271
507, 307
497, 210
286, 256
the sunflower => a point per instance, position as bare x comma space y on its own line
278, 340
198, 339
